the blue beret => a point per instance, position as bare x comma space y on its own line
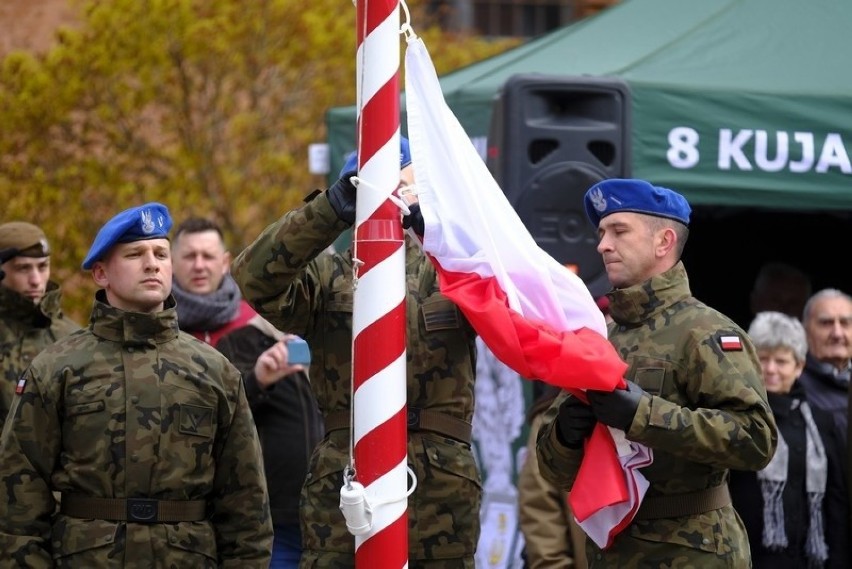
639, 196
351, 164
149, 221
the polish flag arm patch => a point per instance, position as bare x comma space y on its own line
731, 343
21, 386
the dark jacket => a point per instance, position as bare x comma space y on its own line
827, 392
288, 421
748, 500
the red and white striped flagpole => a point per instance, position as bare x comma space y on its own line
378, 322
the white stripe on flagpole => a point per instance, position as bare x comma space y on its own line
379, 291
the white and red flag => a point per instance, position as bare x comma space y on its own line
534, 314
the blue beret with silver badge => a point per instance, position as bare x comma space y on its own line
638, 196
148, 221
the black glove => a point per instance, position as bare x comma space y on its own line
616, 408
575, 422
341, 196
414, 220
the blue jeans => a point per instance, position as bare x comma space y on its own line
286, 547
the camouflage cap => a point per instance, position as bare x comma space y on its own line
23, 239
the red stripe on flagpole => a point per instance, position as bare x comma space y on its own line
377, 455
379, 12
383, 549
381, 231
382, 126
371, 341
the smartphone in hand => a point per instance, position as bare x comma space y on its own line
298, 352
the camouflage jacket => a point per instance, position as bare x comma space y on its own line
25, 330
287, 276
706, 412
132, 408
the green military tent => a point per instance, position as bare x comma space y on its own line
742, 103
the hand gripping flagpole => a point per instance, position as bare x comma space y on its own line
378, 322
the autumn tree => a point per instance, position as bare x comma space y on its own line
208, 106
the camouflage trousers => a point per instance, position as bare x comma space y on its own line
443, 511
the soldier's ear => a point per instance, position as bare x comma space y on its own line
99, 274
665, 241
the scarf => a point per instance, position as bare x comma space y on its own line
841, 376
207, 312
772, 480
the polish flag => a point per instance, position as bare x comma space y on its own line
535, 315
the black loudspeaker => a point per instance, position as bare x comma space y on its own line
551, 139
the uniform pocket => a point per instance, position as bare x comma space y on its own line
323, 524
193, 404
444, 509
700, 532
82, 543
650, 379
90, 399
195, 538
86, 419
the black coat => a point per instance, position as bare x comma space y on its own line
748, 500
288, 421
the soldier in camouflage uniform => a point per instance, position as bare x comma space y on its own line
694, 395
144, 430
30, 314
291, 282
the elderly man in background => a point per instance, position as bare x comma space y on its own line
30, 314
828, 322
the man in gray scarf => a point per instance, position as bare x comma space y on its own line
210, 307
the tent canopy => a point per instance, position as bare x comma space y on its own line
733, 102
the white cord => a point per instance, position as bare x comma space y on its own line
406, 29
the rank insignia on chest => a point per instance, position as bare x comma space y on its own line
21, 386
731, 343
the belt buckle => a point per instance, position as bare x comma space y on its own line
141, 510
412, 418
